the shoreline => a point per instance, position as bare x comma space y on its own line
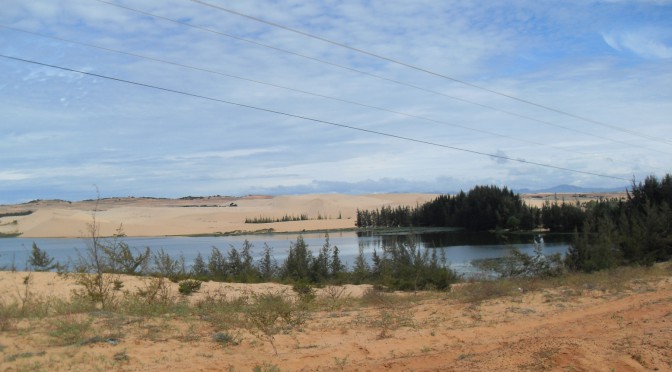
215, 216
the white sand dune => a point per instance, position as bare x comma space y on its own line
210, 215
161, 217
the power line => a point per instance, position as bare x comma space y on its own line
404, 138
295, 90
408, 65
364, 73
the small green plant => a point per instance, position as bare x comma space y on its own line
305, 291
375, 297
272, 312
341, 362
70, 330
486, 290
224, 338
266, 367
121, 356
189, 286
155, 290
28, 354
334, 296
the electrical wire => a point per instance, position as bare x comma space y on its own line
366, 73
331, 123
545, 145
408, 65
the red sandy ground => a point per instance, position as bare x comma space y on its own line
579, 328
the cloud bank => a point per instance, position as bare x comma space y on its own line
606, 64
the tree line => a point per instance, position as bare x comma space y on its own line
607, 233
635, 231
482, 208
401, 265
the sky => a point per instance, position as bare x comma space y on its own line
215, 97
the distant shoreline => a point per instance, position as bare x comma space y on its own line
217, 215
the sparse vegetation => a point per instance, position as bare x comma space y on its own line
156, 314
103, 309
285, 218
16, 214
270, 313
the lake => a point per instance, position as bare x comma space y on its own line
460, 247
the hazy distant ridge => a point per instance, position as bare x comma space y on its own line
571, 189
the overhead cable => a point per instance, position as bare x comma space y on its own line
398, 82
441, 122
424, 70
404, 138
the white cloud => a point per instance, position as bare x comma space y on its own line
124, 137
643, 43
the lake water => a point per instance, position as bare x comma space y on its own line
460, 248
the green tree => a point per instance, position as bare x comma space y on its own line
298, 262
217, 265
268, 266
39, 260
336, 266
199, 269
321, 265
122, 260
361, 270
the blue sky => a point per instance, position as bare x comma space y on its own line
64, 132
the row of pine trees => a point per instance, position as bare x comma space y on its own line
607, 233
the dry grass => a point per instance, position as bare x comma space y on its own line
58, 333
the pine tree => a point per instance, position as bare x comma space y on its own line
199, 269
337, 266
297, 264
268, 267
39, 260
217, 264
361, 270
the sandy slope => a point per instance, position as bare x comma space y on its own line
561, 329
161, 217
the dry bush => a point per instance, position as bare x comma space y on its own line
154, 297
222, 312
477, 292
9, 313
70, 329
271, 313
334, 297
375, 297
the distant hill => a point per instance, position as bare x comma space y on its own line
563, 189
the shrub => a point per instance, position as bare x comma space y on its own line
224, 338
39, 260
522, 265
304, 290
270, 313
189, 286
70, 330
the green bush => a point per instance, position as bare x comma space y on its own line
189, 286
224, 338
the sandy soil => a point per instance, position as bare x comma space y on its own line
591, 328
211, 215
